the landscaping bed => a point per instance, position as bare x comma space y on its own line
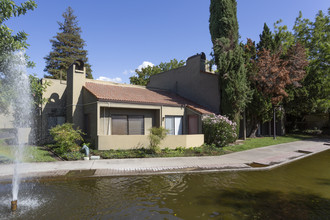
204, 150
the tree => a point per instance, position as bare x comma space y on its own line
259, 109
266, 39
37, 89
276, 73
228, 55
313, 95
283, 38
318, 76
67, 46
10, 43
143, 75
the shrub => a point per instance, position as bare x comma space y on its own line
66, 137
218, 130
73, 155
155, 137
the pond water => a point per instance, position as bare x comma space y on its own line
299, 190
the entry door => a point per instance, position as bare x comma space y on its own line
174, 125
193, 124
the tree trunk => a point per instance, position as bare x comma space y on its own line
254, 127
237, 120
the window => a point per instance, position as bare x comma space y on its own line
105, 124
173, 124
55, 120
135, 125
127, 124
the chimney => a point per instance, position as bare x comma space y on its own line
198, 61
76, 77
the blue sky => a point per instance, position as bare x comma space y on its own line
122, 35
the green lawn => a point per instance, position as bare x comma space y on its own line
30, 154
204, 150
251, 143
40, 154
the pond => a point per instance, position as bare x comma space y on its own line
299, 190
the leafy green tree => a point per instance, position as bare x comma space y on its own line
144, 74
67, 46
229, 59
10, 43
314, 94
283, 38
37, 90
318, 70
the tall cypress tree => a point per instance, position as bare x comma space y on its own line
67, 46
266, 39
234, 89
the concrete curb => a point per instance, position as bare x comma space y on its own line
269, 157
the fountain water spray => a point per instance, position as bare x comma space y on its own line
16, 82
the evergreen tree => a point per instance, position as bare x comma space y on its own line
266, 39
259, 109
67, 46
234, 89
223, 25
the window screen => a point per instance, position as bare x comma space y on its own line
135, 125
119, 124
127, 125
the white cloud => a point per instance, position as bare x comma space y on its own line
116, 79
145, 64
128, 72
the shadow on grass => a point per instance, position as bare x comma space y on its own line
271, 204
323, 181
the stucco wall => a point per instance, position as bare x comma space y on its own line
90, 117
107, 142
75, 111
190, 82
56, 95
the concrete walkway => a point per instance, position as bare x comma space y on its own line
254, 159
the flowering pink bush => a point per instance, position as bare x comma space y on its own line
218, 130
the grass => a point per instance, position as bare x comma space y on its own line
251, 143
204, 150
30, 154
40, 154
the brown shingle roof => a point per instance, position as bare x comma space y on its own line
129, 94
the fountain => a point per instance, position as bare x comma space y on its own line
16, 84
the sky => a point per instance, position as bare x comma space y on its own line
124, 35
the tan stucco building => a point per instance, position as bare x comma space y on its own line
119, 116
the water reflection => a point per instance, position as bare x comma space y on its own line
297, 191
